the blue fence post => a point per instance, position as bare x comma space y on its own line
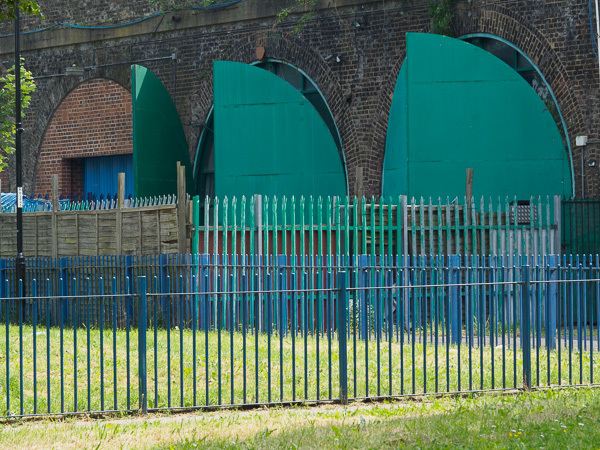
142, 352
282, 286
342, 335
130, 285
63, 264
164, 285
3, 278
526, 326
454, 266
551, 302
203, 282
362, 282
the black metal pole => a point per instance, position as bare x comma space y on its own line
20, 260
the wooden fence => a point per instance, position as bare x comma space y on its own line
146, 230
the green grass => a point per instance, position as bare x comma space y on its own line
567, 418
414, 370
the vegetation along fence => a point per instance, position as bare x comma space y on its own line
384, 227
210, 331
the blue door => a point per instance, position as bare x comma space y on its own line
100, 175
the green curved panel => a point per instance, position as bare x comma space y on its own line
395, 167
269, 139
465, 108
158, 137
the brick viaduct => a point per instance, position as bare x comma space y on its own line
555, 34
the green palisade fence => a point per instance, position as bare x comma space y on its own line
379, 227
581, 227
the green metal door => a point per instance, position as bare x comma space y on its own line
269, 139
456, 107
158, 137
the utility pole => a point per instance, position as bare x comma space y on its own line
20, 260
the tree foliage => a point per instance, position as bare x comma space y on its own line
295, 5
291, 7
7, 8
7, 108
171, 5
441, 17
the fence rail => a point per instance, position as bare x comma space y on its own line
383, 226
206, 331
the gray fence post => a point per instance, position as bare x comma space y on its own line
455, 300
526, 326
142, 351
342, 313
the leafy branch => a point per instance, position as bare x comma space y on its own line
298, 4
7, 8
7, 108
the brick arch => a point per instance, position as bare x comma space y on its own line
290, 50
93, 119
503, 23
380, 124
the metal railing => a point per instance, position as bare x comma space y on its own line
259, 331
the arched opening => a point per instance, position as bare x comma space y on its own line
88, 141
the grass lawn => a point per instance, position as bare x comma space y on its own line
277, 368
565, 418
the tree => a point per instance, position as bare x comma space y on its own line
7, 108
7, 82
7, 8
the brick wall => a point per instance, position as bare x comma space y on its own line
93, 120
83, 12
554, 34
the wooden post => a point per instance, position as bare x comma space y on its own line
120, 202
55, 209
360, 186
181, 210
469, 187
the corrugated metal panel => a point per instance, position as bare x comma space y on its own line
158, 137
465, 108
269, 139
100, 175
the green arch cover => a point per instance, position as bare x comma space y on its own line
455, 107
158, 137
269, 139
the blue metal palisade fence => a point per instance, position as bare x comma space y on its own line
207, 331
